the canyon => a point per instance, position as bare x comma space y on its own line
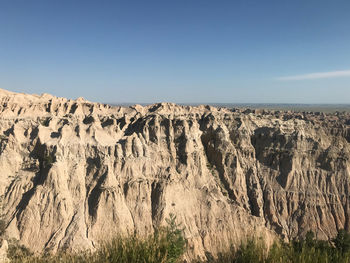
75, 173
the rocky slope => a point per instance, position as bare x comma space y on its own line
74, 172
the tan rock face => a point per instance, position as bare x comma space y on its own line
74, 172
3, 251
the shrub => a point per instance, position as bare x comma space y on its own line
17, 252
2, 228
48, 160
176, 243
342, 241
251, 251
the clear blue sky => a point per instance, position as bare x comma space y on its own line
178, 50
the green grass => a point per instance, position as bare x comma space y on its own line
167, 245
307, 250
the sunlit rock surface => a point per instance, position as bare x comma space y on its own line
75, 172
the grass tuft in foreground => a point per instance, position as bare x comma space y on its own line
167, 245
307, 250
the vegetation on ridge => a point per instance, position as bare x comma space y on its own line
2, 228
306, 250
2, 221
168, 245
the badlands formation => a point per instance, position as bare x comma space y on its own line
74, 173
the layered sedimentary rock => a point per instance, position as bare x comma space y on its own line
74, 173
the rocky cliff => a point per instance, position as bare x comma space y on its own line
75, 172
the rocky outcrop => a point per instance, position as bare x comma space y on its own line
75, 172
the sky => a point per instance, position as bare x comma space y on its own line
184, 51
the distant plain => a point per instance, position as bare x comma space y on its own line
326, 108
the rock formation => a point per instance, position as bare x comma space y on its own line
3, 251
75, 172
